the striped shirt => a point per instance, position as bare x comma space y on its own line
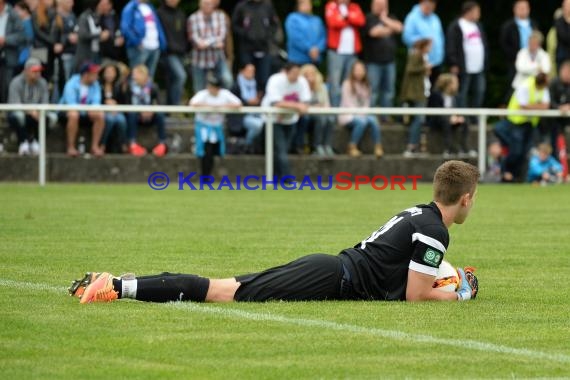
209, 30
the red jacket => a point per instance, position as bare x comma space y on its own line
335, 23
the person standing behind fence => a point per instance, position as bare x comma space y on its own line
531, 60
90, 35
173, 21
207, 33
144, 36
344, 20
114, 47
356, 94
422, 22
255, 25
209, 127
12, 38
380, 52
468, 55
64, 32
306, 35
415, 90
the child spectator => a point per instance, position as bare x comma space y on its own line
112, 94
142, 91
494, 163
415, 89
445, 96
209, 127
543, 168
323, 125
356, 93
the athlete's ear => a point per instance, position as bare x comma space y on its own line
465, 198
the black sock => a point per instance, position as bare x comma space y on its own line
172, 287
118, 286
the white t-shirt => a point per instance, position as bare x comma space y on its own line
204, 97
346, 44
150, 40
522, 94
472, 47
83, 94
279, 89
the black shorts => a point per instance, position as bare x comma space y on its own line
311, 278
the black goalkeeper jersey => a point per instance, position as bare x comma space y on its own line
414, 239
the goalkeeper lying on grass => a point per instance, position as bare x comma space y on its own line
397, 262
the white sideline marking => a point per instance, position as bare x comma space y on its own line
342, 327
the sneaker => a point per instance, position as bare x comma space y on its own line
100, 290
137, 150
77, 287
329, 150
24, 149
472, 153
320, 151
35, 148
159, 150
447, 154
408, 153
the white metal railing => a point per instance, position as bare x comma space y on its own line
481, 113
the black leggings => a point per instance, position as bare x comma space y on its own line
210, 151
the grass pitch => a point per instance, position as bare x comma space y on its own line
517, 237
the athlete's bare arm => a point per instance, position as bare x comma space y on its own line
420, 288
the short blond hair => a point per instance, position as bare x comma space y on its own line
452, 180
142, 68
545, 148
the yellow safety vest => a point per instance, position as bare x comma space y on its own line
534, 97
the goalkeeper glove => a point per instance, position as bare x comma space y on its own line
469, 284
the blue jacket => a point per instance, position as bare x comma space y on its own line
417, 26
200, 144
133, 28
72, 91
303, 33
536, 167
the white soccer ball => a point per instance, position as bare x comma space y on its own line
447, 278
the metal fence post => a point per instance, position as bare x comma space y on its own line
482, 144
269, 145
42, 156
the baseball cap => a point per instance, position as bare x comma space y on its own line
89, 67
213, 80
33, 64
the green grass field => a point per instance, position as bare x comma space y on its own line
517, 236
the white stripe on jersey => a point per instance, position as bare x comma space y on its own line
428, 241
422, 269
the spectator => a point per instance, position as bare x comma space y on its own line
380, 52
112, 93
289, 90
421, 23
416, 90
207, 33
514, 37
306, 35
245, 89
543, 168
468, 55
84, 89
25, 14
560, 100
531, 60
29, 88
344, 20
323, 125
42, 18
90, 35
562, 25
444, 96
552, 44
209, 127
173, 20
356, 94
113, 48
143, 33
65, 43
532, 94
142, 91
229, 42
12, 37
255, 24
494, 162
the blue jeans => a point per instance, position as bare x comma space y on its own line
253, 125
112, 121
221, 70
339, 66
133, 119
147, 57
382, 83
519, 138
282, 136
416, 125
359, 125
323, 126
177, 77
474, 84
262, 67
